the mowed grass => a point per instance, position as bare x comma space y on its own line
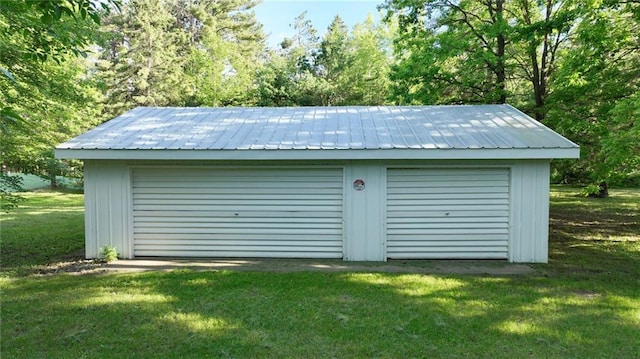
48, 227
584, 304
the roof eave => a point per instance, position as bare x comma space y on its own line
352, 154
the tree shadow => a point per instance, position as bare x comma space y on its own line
310, 314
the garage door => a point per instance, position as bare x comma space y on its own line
447, 213
207, 212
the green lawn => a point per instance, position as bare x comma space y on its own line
584, 304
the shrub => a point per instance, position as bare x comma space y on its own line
108, 253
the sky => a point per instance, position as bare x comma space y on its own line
277, 15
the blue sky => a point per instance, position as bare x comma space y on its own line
277, 15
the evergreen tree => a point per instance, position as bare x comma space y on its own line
141, 65
333, 61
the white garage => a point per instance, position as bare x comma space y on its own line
358, 183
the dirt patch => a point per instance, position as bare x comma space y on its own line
78, 266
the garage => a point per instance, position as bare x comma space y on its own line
445, 213
365, 183
234, 212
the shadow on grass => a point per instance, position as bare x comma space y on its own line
39, 237
244, 314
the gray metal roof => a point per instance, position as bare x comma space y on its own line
401, 132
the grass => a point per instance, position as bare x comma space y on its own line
584, 304
32, 182
47, 228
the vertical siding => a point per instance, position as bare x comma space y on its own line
107, 199
364, 213
530, 212
448, 213
238, 212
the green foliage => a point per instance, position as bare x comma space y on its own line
449, 52
45, 91
180, 52
9, 184
573, 65
596, 102
591, 190
108, 253
340, 68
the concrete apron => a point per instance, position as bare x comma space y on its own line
485, 267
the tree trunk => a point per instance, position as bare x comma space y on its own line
53, 179
500, 68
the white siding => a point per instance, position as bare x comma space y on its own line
530, 212
238, 212
107, 203
447, 213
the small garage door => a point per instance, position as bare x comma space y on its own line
447, 213
207, 212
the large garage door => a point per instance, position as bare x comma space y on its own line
205, 212
447, 213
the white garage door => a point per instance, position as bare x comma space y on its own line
207, 212
447, 213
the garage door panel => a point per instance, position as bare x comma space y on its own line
238, 212
418, 184
440, 214
445, 220
447, 213
281, 202
449, 208
239, 184
461, 232
178, 222
446, 190
246, 230
140, 237
217, 252
285, 195
276, 242
141, 191
454, 253
185, 209
449, 237
426, 202
448, 196
195, 215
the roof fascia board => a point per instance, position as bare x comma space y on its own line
408, 154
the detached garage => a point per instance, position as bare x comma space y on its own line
358, 183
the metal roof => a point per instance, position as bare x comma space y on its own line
478, 131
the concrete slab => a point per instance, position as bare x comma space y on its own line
498, 268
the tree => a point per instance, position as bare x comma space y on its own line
571, 64
450, 51
33, 31
366, 79
140, 65
38, 86
291, 74
181, 52
333, 60
541, 30
596, 101
340, 68
225, 43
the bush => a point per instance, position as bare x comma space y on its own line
108, 253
